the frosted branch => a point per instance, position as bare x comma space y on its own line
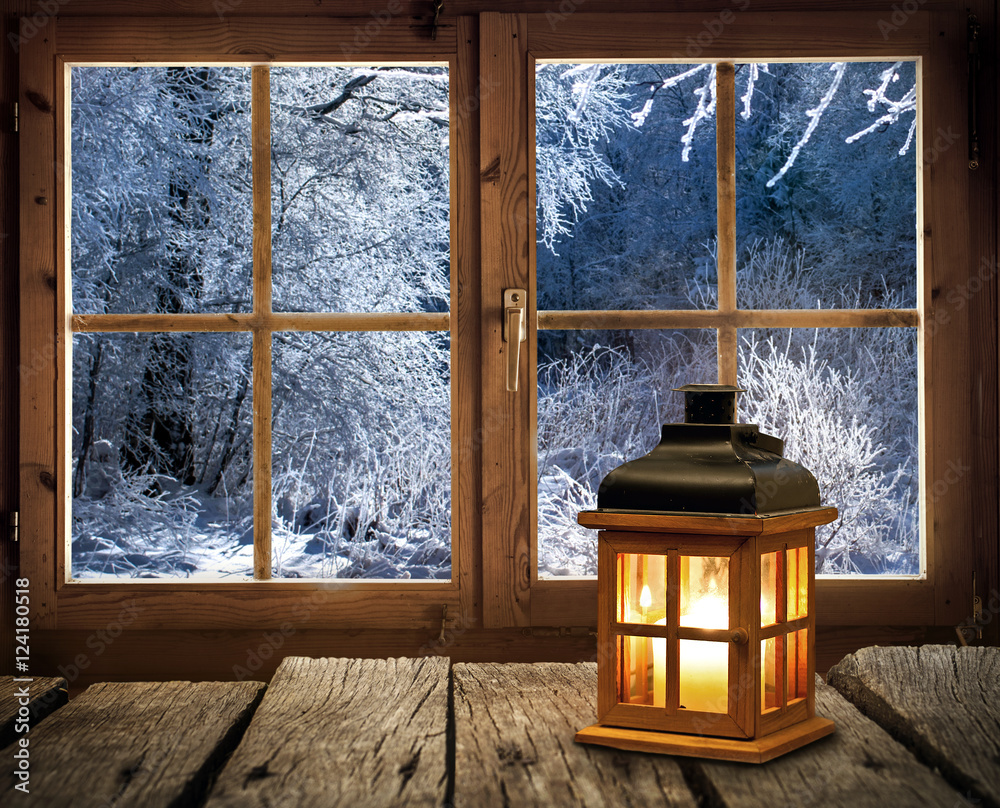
704, 110
814, 116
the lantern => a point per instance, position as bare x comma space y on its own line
705, 592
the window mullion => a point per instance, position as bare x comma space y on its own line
725, 144
261, 138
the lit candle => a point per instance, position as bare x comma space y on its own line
704, 666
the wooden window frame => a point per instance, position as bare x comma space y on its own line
494, 571
47, 324
511, 44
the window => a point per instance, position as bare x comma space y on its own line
798, 182
614, 329
322, 368
283, 307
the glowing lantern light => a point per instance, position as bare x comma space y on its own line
705, 592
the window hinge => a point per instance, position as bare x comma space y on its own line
15, 121
12, 524
973, 32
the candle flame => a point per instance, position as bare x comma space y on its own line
645, 598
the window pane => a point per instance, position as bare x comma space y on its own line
162, 466
704, 592
625, 178
797, 649
845, 403
768, 589
642, 592
643, 664
359, 188
704, 672
602, 396
361, 460
798, 582
826, 192
770, 673
161, 204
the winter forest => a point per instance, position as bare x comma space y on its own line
162, 213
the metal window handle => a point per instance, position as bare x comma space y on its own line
515, 331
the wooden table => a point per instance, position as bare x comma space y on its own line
915, 727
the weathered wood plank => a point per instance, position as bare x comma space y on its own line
44, 696
137, 743
940, 701
344, 732
859, 766
514, 727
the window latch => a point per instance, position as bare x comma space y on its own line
515, 331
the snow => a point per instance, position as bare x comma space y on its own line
361, 457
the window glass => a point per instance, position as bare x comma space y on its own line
161, 206
619, 225
162, 470
826, 185
361, 458
360, 188
845, 403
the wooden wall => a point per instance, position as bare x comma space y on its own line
200, 655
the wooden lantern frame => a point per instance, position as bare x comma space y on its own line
745, 731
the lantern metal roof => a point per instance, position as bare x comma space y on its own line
710, 465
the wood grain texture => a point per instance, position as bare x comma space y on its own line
943, 183
261, 161
418, 10
44, 696
134, 744
214, 655
749, 34
275, 321
984, 213
9, 339
505, 231
707, 524
38, 476
940, 701
467, 391
242, 40
859, 766
344, 732
740, 318
514, 728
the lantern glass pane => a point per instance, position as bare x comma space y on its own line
642, 670
770, 683
798, 582
768, 589
642, 591
704, 591
704, 674
798, 668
